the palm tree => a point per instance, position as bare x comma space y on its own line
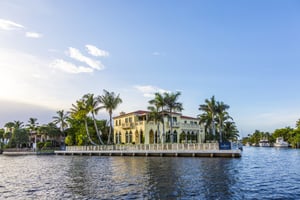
155, 116
79, 112
172, 106
222, 116
210, 108
206, 120
230, 131
32, 124
61, 119
93, 108
159, 103
110, 102
298, 124
18, 124
9, 126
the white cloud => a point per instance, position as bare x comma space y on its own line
95, 51
27, 78
75, 54
149, 90
33, 35
69, 67
8, 25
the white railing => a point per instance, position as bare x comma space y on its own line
147, 147
189, 126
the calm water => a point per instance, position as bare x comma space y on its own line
262, 173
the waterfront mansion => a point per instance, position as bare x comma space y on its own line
137, 128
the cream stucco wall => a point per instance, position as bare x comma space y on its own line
134, 128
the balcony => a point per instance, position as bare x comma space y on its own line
128, 125
174, 125
190, 126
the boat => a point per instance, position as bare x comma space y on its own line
280, 142
264, 143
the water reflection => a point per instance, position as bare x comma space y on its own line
261, 173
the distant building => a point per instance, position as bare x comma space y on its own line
136, 128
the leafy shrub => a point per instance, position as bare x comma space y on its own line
40, 145
47, 144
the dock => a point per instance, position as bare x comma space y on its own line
160, 150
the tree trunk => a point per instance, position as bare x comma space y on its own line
158, 133
213, 127
163, 133
171, 127
88, 134
110, 128
97, 131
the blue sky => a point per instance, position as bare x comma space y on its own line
246, 53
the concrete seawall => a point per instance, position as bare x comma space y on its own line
162, 150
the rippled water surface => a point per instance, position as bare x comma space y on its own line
261, 173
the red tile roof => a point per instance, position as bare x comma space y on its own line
143, 112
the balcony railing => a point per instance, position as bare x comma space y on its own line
189, 126
174, 124
128, 125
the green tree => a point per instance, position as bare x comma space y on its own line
283, 132
92, 106
19, 138
159, 104
79, 112
230, 131
18, 124
222, 116
110, 102
210, 110
172, 105
298, 124
206, 120
62, 120
156, 117
52, 133
32, 124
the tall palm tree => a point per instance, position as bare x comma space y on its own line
230, 131
79, 112
18, 124
32, 124
159, 103
206, 120
92, 105
61, 119
110, 102
222, 116
172, 106
210, 108
155, 116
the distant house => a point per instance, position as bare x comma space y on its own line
136, 127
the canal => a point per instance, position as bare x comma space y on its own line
261, 173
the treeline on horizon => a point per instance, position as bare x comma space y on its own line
291, 135
79, 125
